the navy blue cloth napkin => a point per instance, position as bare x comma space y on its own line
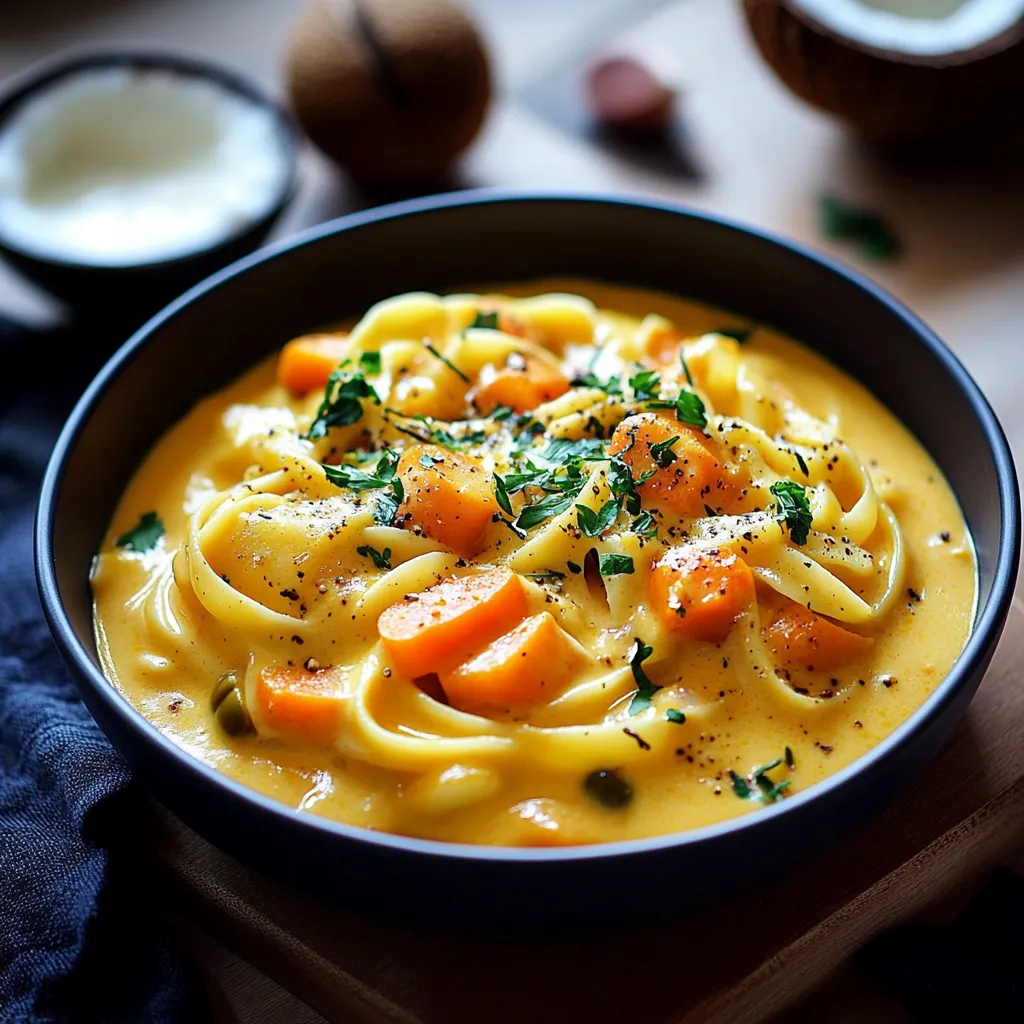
81, 935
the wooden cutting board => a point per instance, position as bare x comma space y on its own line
744, 961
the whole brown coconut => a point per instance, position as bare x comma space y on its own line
392, 90
883, 94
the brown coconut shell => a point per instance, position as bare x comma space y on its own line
884, 94
392, 90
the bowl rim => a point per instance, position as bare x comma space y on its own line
42, 74
988, 619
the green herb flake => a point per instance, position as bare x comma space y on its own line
447, 362
645, 385
552, 505
615, 565
870, 232
485, 321
144, 535
342, 405
353, 479
574, 568
793, 508
690, 409
560, 449
369, 362
592, 523
662, 452
502, 412
645, 689
800, 462
501, 494
676, 716
644, 525
770, 791
380, 559
612, 386
740, 786
790, 760
686, 368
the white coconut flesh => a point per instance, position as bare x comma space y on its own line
916, 28
116, 167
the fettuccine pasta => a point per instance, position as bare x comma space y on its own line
535, 567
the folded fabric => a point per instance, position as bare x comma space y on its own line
81, 936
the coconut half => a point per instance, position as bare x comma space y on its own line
897, 68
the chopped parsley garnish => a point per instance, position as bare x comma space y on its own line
790, 760
740, 786
447, 362
662, 452
800, 462
688, 408
380, 559
144, 535
770, 791
552, 505
486, 321
740, 334
592, 523
611, 386
623, 486
341, 406
644, 525
645, 385
369, 362
645, 689
501, 494
383, 476
561, 449
676, 716
764, 788
793, 508
875, 238
574, 568
686, 368
615, 565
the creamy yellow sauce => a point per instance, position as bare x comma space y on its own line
397, 760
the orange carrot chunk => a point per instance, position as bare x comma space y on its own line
305, 363
799, 638
686, 475
448, 496
701, 593
529, 663
301, 704
436, 629
523, 383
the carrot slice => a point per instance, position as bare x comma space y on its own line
693, 478
522, 384
701, 593
434, 630
799, 638
306, 363
301, 704
448, 496
529, 663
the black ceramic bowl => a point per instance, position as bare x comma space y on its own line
139, 289
451, 242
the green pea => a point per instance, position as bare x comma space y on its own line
608, 788
229, 708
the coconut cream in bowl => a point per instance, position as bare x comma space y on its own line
126, 178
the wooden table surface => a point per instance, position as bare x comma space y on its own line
761, 156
